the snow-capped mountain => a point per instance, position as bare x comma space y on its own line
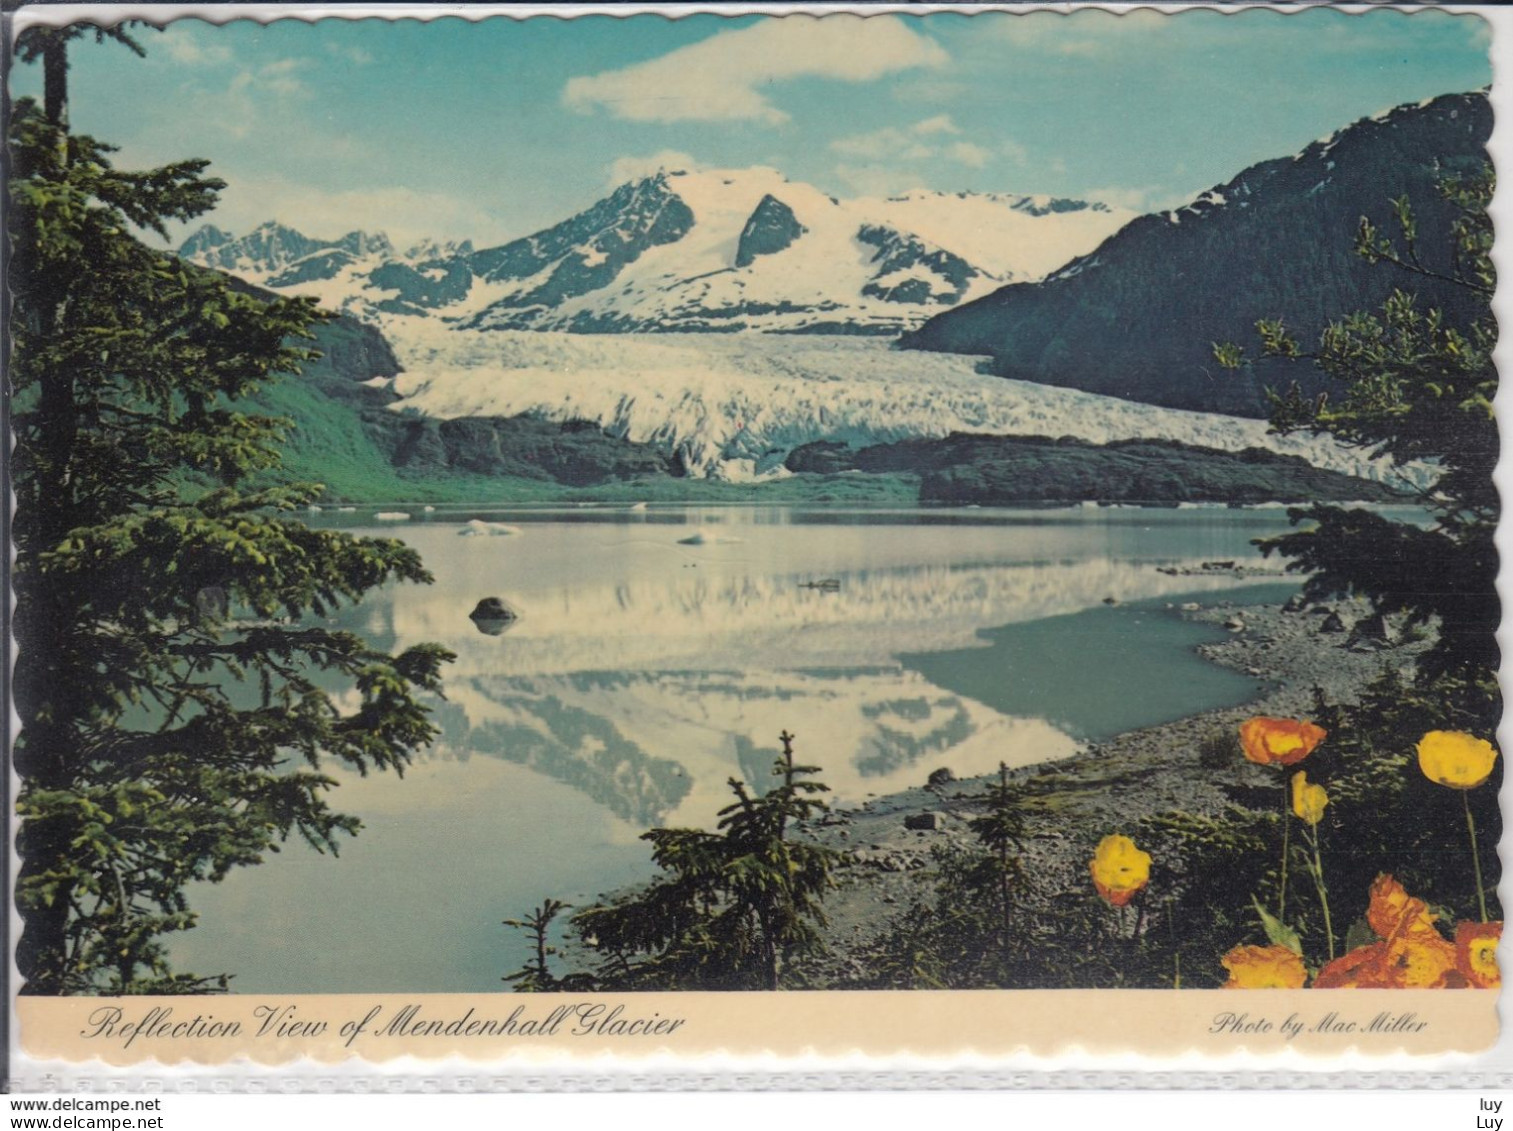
713, 250
749, 249
279, 257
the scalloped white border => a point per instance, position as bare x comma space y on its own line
1073, 1070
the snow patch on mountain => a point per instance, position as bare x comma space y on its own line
1015, 238
734, 406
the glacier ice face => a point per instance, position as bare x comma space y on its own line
732, 406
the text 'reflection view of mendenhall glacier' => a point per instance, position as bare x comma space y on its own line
1037, 430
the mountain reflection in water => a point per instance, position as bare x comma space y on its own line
642, 674
645, 677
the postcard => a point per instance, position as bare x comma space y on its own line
554, 536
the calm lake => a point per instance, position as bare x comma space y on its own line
646, 669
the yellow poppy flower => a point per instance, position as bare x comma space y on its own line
1278, 742
1120, 870
1308, 800
1425, 965
1264, 968
1460, 761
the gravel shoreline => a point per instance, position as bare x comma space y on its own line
1113, 784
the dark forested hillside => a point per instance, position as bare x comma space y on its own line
1136, 318
965, 469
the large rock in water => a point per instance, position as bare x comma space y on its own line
1136, 318
494, 608
492, 615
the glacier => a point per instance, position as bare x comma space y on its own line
733, 406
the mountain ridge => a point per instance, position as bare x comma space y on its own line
681, 250
1136, 317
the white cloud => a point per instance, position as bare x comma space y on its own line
728, 76
940, 124
1086, 34
967, 153
635, 168
875, 180
244, 105
351, 53
1019, 154
923, 141
888, 143
1082, 49
1132, 198
407, 215
182, 45
279, 79
1139, 198
932, 90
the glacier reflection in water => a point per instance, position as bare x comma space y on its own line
642, 674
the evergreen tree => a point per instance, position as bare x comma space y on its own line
1000, 831
965, 936
177, 693
49, 45
536, 975
1411, 384
734, 907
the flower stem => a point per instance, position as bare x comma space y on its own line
1286, 830
1318, 879
1171, 931
1481, 895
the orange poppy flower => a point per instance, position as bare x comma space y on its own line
1363, 967
1120, 870
1393, 966
1394, 914
1279, 742
1476, 953
1264, 968
1412, 953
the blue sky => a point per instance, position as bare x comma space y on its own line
493, 129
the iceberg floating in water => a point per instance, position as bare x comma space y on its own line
477, 528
